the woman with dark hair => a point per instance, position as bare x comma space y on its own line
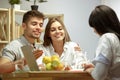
105, 23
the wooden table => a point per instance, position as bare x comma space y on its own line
48, 75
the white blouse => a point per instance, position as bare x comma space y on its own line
107, 58
68, 56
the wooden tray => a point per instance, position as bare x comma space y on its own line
48, 75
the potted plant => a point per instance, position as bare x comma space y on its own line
34, 6
15, 3
12, 2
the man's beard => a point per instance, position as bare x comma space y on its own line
35, 37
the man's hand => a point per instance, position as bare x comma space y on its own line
42, 67
37, 53
20, 63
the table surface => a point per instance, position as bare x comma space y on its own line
48, 75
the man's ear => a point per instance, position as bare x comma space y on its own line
23, 26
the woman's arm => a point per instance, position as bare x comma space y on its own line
99, 72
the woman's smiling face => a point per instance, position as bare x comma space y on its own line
57, 32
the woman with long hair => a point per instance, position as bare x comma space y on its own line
106, 24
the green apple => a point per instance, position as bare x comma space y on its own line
48, 66
55, 63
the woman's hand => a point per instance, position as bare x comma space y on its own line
89, 70
88, 67
66, 68
77, 48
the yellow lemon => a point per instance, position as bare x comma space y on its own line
46, 59
54, 57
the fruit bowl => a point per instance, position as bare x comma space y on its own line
53, 63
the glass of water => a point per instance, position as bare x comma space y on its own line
79, 58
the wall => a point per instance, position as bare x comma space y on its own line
76, 14
114, 4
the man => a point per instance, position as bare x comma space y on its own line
12, 57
